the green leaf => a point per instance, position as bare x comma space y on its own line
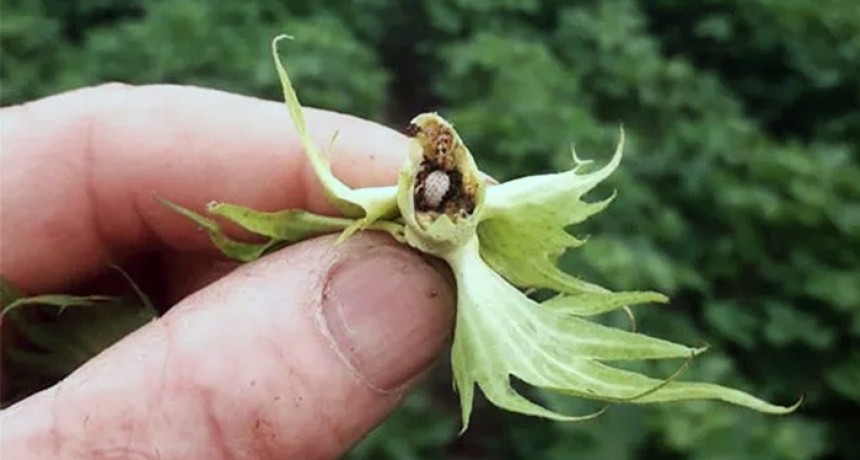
52, 346
8, 292
288, 225
55, 300
292, 225
51, 365
148, 307
238, 250
74, 336
45, 335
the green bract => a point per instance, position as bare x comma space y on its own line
499, 240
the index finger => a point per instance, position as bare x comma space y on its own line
80, 171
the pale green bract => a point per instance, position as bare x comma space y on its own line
499, 241
367, 204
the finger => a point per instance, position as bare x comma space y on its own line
80, 171
297, 355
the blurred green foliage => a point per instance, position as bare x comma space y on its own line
739, 195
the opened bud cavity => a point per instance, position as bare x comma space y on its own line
446, 179
440, 187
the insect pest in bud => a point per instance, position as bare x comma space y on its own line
433, 190
499, 241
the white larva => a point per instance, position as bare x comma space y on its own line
436, 186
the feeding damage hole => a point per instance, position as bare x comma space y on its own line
439, 184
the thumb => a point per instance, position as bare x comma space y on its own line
297, 355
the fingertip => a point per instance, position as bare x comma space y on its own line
389, 313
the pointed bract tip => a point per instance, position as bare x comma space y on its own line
279, 38
701, 349
796, 405
576, 160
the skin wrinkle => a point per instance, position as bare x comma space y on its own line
205, 395
264, 446
93, 154
157, 398
162, 375
87, 161
300, 386
56, 441
329, 435
118, 453
132, 423
131, 429
181, 381
90, 123
121, 94
213, 425
261, 445
335, 438
127, 420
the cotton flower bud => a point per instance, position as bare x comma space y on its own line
440, 189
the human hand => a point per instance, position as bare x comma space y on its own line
297, 355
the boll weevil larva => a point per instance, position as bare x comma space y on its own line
436, 187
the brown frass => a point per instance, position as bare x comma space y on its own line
456, 201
